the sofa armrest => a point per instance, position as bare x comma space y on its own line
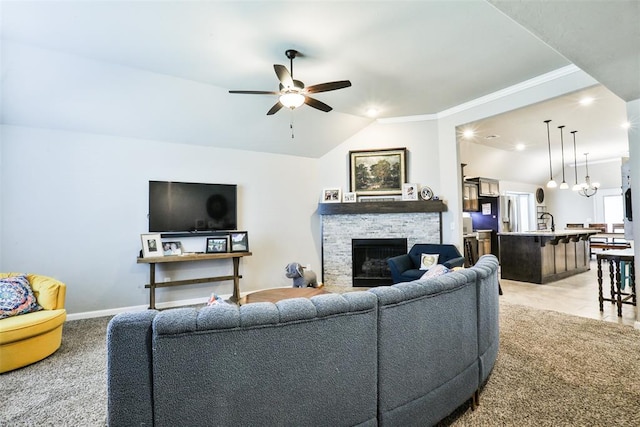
398, 265
129, 369
454, 262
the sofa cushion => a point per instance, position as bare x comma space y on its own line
16, 297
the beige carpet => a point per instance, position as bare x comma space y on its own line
552, 370
555, 369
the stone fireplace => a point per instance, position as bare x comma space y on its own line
416, 221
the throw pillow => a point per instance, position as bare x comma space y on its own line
16, 297
428, 260
435, 271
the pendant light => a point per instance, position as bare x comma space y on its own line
576, 186
588, 188
564, 185
551, 183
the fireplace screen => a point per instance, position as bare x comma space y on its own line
370, 260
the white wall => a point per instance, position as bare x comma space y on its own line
74, 206
420, 139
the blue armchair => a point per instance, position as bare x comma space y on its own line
405, 268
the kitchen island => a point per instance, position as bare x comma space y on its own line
544, 256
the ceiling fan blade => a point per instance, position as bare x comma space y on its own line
317, 104
325, 87
277, 106
255, 92
283, 75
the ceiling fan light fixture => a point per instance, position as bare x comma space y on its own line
292, 100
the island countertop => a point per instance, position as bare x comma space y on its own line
549, 233
544, 256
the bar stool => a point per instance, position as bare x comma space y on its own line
618, 261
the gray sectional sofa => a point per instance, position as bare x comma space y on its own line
401, 355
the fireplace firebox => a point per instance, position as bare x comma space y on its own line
369, 258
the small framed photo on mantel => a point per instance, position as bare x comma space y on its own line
410, 191
331, 195
151, 245
349, 197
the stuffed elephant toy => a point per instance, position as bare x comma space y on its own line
301, 278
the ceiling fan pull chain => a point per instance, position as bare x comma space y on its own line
291, 125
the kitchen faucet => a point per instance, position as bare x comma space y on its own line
553, 224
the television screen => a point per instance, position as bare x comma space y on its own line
186, 206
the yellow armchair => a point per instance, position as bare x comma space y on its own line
28, 338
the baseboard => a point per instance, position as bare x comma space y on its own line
637, 324
134, 308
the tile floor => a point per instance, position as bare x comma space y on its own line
577, 295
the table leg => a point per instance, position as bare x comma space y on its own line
632, 283
236, 280
612, 281
600, 300
152, 286
618, 288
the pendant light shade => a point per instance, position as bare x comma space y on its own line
564, 185
551, 183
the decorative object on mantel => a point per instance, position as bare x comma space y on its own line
377, 172
331, 195
349, 197
409, 191
427, 194
551, 183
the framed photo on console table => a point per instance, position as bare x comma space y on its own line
377, 172
151, 245
239, 241
217, 244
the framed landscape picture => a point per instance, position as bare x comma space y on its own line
239, 241
377, 172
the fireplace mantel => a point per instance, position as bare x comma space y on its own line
381, 207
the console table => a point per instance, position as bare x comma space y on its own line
152, 261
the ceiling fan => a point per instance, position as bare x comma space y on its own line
292, 92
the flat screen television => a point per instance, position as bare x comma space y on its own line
192, 207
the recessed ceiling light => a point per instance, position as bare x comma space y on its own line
469, 133
586, 100
626, 125
372, 112
520, 146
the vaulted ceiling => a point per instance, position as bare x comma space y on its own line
162, 70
